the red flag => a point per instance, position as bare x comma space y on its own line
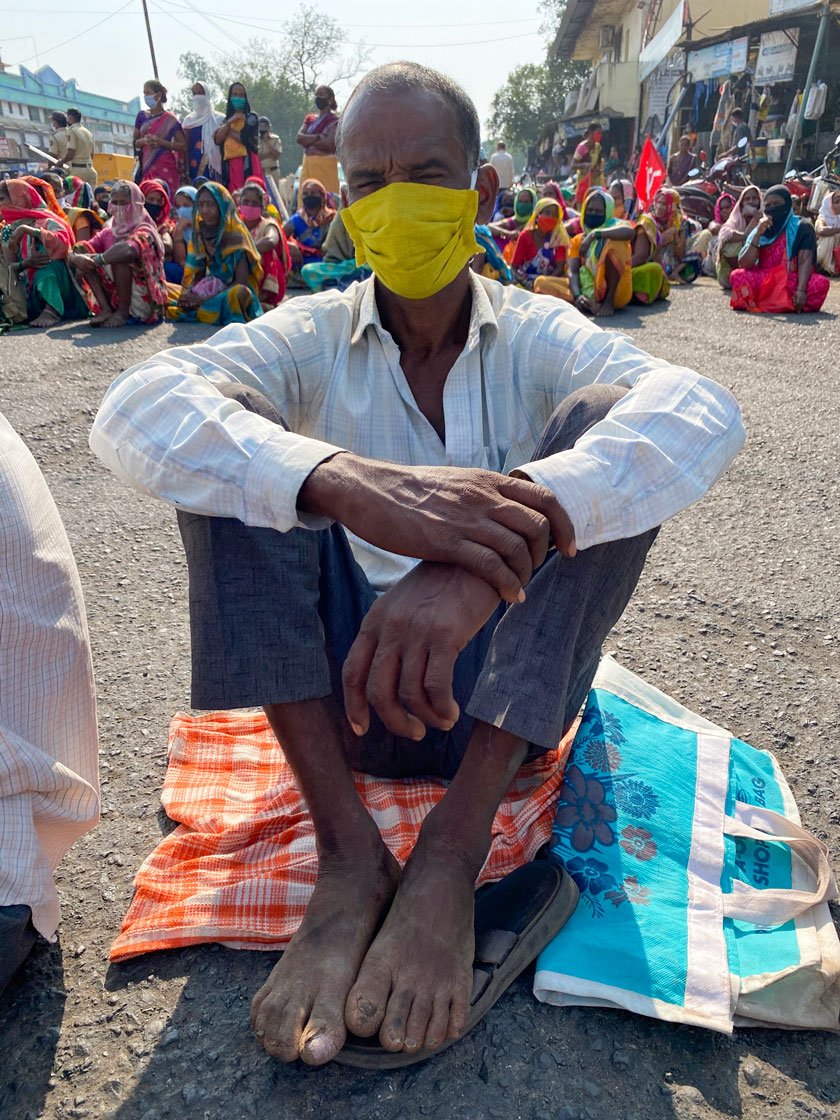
650, 176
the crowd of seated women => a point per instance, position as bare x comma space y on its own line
612, 252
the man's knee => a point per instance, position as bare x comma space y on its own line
574, 416
252, 400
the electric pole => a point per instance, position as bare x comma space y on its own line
151, 43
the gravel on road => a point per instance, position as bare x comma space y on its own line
737, 615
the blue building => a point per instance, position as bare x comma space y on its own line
26, 101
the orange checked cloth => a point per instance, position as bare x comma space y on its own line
241, 865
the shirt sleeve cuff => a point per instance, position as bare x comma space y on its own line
572, 476
277, 471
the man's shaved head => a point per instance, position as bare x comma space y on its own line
405, 77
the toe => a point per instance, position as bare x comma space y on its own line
438, 1025
324, 1034
368, 998
417, 1023
459, 1009
279, 1025
392, 1035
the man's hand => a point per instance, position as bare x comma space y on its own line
404, 655
496, 527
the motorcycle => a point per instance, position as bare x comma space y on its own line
700, 195
815, 185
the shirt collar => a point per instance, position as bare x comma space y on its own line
481, 316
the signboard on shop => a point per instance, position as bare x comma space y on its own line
718, 61
780, 7
776, 57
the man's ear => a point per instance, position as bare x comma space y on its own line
487, 185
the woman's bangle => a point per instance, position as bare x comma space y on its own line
98, 259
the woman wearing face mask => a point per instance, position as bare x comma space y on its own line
159, 141
34, 244
828, 234
742, 220
239, 140
317, 138
777, 265
223, 271
539, 258
270, 243
624, 197
159, 209
508, 229
308, 228
184, 203
120, 270
600, 278
200, 128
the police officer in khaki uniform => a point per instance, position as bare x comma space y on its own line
80, 149
270, 150
60, 139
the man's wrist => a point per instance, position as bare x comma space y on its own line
328, 486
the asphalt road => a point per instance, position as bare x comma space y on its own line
737, 615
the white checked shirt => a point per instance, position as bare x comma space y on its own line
49, 764
333, 372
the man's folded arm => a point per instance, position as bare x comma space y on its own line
656, 452
165, 428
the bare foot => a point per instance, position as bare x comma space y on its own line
118, 319
603, 310
47, 318
414, 986
299, 1011
101, 318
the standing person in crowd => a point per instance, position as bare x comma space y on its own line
34, 245
600, 279
681, 163
200, 128
270, 150
80, 149
828, 234
317, 138
502, 160
735, 129
120, 270
159, 139
307, 229
777, 264
60, 140
269, 241
223, 271
742, 219
238, 137
613, 164
49, 795
588, 163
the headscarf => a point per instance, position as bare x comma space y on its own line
673, 212
629, 192
552, 190
149, 186
719, 208
519, 216
827, 213
650, 229
559, 236
218, 253
125, 220
190, 192
325, 215
736, 224
79, 194
205, 117
250, 134
47, 194
610, 222
784, 220
27, 205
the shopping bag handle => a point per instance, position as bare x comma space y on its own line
773, 906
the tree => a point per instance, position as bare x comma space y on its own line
533, 95
312, 55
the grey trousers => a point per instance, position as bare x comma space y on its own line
273, 616
17, 936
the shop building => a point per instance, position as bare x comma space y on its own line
28, 98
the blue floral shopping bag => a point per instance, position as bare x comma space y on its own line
702, 898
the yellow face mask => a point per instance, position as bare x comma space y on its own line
416, 238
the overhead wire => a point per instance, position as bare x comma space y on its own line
73, 38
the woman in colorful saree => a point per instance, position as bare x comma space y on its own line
600, 280
624, 197
34, 245
269, 241
828, 234
649, 281
542, 248
508, 229
307, 229
731, 236
223, 271
81, 209
159, 209
239, 139
200, 127
159, 141
777, 265
317, 138
681, 247
120, 269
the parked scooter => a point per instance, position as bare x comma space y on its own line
816, 184
700, 194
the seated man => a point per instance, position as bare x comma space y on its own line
317, 455
49, 762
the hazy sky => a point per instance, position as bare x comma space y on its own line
113, 58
